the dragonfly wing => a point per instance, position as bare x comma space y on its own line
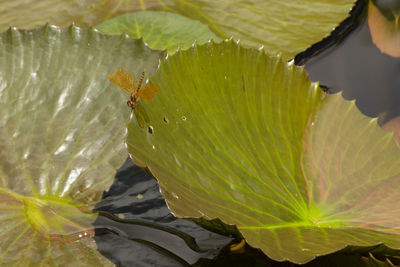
124, 79
140, 109
148, 91
139, 117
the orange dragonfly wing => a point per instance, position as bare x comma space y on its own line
141, 115
148, 91
123, 79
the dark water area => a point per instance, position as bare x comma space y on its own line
138, 228
354, 66
143, 232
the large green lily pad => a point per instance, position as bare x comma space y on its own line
160, 30
247, 138
288, 26
61, 139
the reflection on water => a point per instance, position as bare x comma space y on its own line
148, 234
359, 69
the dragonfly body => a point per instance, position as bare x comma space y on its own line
137, 90
132, 102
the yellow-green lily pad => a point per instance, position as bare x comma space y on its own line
247, 138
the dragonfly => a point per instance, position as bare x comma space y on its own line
137, 89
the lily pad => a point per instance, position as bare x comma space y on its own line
385, 30
61, 139
247, 138
160, 30
33, 13
289, 26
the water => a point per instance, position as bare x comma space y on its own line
357, 67
143, 232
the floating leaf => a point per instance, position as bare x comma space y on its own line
61, 139
288, 26
33, 13
160, 30
385, 32
249, 139
394, 126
